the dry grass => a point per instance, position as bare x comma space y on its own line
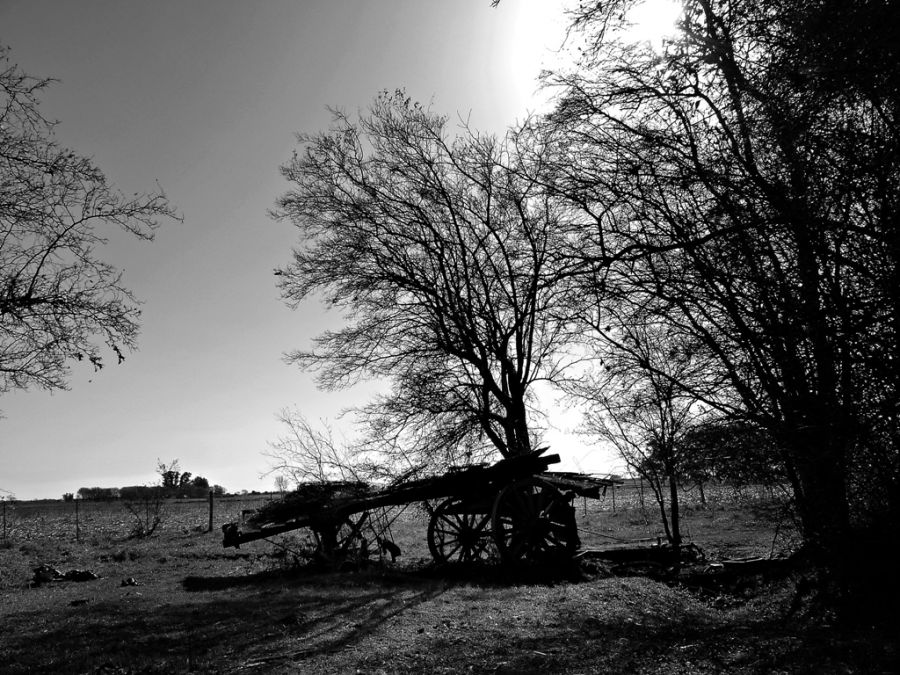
199, 608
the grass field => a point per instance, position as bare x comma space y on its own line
200, 608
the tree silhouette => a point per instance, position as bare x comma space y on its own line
58, 300
743, 185
440, 255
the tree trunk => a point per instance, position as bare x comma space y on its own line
675, 515
656, 486
516, 426
819, 457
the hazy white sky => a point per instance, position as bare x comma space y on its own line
205, 97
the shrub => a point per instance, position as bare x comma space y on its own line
147, 513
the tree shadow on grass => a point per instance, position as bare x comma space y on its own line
415, 572
676, 648
195, 583
278, 622
223, 623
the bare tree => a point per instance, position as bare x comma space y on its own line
306, 453
147, 511
169, 474
744, 181
735, 453
640, 401
58, 300
439, 251
282, 484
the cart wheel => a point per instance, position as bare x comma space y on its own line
457, 532
345, 541
532, 522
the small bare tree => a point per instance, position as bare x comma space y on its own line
638, 404
307, 454
147, 512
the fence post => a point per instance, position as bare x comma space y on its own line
614, 497
4, 520
210, 528
77, 525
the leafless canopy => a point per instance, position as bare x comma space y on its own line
58, 300
439, 252
743, 185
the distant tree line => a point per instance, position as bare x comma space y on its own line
173, 483
192, 490
98, 494
139, 492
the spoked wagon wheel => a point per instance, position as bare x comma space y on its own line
343, 540
533, 523
459, 532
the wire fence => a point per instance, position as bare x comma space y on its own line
89, 521
637, 494
92, 521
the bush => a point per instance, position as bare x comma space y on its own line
147, 513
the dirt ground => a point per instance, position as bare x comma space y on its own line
199, 608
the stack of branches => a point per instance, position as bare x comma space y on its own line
310, 499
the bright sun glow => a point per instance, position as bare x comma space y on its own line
533, 43
653, 21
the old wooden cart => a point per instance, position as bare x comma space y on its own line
515, 507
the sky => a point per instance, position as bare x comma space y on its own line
204, 98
